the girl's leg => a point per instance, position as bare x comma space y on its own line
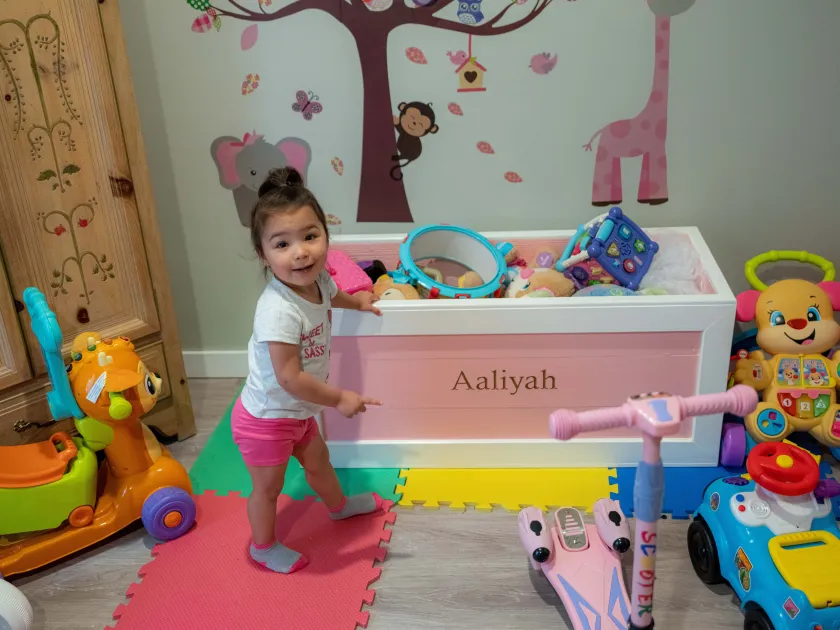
262, 514
314, 456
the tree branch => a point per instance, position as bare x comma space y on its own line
241, 8
482, 30
329, 6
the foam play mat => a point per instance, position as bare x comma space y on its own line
220, 468
206, 579
510, 488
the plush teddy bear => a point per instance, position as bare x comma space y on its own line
527, 282
386, 289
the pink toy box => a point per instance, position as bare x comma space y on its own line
471, 383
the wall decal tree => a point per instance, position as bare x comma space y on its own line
381, 199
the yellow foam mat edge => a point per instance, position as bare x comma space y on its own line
509, 488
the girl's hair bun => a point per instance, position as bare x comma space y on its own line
279, 178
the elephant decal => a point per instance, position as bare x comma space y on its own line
244, 164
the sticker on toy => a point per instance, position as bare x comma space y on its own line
714, 502
744, 567
790, 608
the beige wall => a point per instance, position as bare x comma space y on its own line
752, 146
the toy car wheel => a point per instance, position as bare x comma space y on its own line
757, 619
168, 513
703, 552
733, 445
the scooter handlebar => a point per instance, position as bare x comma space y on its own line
565, 424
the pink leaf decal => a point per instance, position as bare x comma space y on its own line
512, 177
249, 37
202, 24
338, 165
484, 147
456, 109
415, 55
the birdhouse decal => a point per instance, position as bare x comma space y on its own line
471, 76
470, 72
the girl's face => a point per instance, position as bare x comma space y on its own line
295, 246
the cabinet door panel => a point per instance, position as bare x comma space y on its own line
69, 225
14, 364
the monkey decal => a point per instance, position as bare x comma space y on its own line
415, 121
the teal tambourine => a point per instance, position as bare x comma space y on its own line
456, 244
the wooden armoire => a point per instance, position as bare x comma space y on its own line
77, 213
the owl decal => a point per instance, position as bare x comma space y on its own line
469, 12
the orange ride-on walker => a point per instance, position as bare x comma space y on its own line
54, 497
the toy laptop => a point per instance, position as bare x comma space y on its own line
610, 249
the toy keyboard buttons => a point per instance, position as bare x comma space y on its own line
639, 245
612, 250
629, 265
760, 508
625, 232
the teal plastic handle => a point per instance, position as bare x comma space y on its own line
46, 330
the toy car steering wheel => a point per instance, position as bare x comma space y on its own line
773, 256
783, 469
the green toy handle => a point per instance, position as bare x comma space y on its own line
774, 256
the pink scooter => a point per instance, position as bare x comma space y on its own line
656, 415
582, 562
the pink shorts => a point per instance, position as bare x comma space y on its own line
268, 441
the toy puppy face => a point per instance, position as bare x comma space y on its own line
386, 289
793, 316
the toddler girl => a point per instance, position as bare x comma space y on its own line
288, 363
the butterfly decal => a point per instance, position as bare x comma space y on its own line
307, 105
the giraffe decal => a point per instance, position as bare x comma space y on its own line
644, 135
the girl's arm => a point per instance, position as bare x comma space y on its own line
361, 301
285, 359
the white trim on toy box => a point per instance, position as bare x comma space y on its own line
713, 315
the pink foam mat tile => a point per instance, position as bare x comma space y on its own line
206, 579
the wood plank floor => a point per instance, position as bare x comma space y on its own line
443, 569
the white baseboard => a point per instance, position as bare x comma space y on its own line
216, 363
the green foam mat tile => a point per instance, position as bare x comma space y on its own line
219, 467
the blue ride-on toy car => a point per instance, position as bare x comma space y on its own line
774, 539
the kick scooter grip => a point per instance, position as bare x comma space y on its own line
739, 401
566, 424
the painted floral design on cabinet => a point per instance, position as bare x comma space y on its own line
60, 223
24, 49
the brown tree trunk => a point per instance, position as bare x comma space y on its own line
381, 199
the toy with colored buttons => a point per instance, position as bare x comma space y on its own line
610, 249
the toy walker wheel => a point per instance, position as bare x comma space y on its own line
15, 610
81, 516
733, 445
168, 513
703, 552
757, 619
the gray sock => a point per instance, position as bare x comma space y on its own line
357, 504
279, 558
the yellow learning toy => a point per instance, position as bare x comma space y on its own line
796, 326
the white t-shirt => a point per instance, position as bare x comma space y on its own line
282, 315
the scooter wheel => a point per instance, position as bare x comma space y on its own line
168, 513
15, 610
733, 445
